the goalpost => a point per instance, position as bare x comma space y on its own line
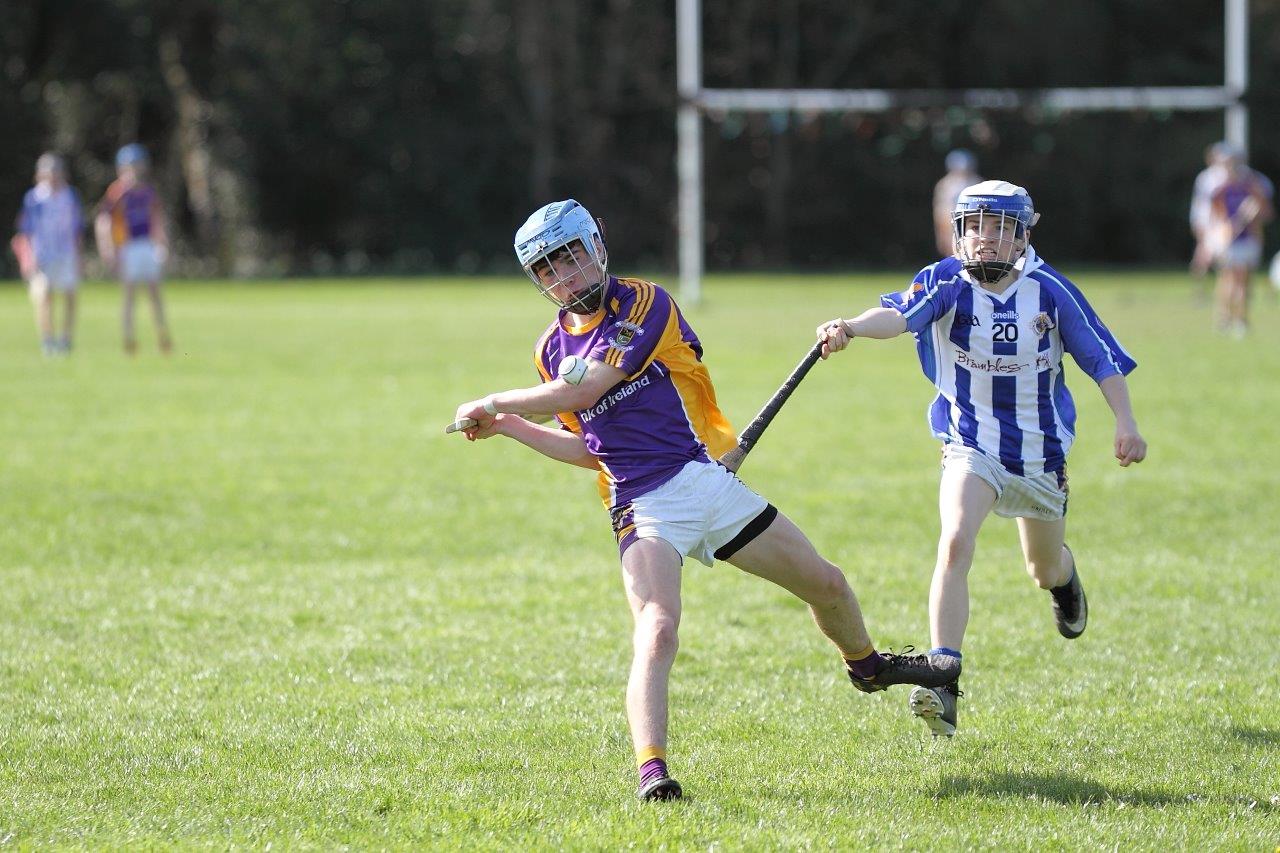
695, 101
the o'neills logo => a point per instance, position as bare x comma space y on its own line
1004, 315
607, 403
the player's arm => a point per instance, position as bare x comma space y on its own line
20, 243
878, 322
549, 398
1130, 445
159, 233
558, 444
102, 232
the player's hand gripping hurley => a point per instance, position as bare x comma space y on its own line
459, 426
734, 458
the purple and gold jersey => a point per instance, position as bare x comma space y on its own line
132, 210
663, 415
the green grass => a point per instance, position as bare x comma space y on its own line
251, 595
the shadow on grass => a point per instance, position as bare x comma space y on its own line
1257, 737
1058, 788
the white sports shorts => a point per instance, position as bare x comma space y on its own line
60, 274
1241, 253
700, 511
1043, 496
139, 261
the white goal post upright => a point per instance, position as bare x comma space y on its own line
695, 101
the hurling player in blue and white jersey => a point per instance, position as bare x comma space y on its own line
49, 245
991, 324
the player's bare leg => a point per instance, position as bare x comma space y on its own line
68, 321
964, 501
1048, 561
126, 318
1240, 302
651, 575
42, 301
157, 311
1053, 567
783, 555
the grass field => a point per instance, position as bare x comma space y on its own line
252, 596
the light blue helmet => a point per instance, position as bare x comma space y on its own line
961, 160
1003, 214
553, 228
132, 154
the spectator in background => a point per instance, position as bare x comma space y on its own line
1239, 206
1201, 196
49, 246
132, 241
962, 171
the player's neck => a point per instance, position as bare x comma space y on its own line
999, 287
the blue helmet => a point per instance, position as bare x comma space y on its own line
553, 228
132, 154
1000, 215
961, 160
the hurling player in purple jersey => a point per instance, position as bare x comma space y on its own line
133, 241
992, 323
1239, 205
622, 372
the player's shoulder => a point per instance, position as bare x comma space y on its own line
1055, 283
546, 335
635, 297
945, 271
114, 190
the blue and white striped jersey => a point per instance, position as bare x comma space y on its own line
997, 360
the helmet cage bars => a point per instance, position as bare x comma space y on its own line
1000, 223
564, 235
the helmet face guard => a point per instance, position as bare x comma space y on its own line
992, 223
562, 245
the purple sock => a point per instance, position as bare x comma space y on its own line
654, 768
866, 667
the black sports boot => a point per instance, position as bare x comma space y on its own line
1070, 607
925, 670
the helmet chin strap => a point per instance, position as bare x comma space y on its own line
588, 301
988, 272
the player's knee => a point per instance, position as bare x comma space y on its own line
657, 635
955, 551
830, 585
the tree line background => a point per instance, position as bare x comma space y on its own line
389, 136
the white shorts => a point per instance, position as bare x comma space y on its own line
1042, 496
60, 274
699, 511
140, 261
1241, 253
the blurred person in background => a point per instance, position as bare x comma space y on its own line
1206, 182
49, 245
962, 171
132, 240
1240, 205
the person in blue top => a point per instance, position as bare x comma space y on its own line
992, 323
49, 245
